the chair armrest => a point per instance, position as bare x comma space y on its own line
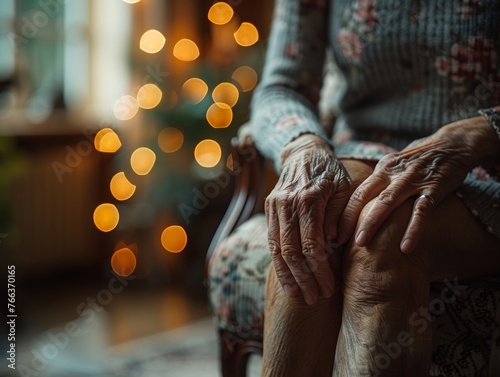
254, 175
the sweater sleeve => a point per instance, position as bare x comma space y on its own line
493, 115
284, 106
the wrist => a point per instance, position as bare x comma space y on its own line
479, 138
303, 142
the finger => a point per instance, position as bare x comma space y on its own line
311, 220
333, 211
363, 194
383, 205
283, 273
421, 210
291, 251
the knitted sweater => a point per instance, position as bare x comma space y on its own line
408, 68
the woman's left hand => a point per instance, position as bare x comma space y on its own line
429, 170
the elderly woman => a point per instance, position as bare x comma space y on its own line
404, 194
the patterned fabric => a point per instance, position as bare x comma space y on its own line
237, 278
466, 335
407, 69
464, 318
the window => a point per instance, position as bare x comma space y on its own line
62, 55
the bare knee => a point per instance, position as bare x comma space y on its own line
380, 271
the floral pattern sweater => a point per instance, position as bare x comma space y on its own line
407, 67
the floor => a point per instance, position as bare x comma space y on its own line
77, 325
85, 324
133, 311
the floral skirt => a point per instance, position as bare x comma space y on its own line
466, 326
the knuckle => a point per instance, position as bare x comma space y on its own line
277, 196
290, 256
392, 158
307, 198
389, 159
274, 248
387, 198
360, 195
284, 199
310, 248
283, 275
269, 201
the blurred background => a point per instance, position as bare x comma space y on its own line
115, 124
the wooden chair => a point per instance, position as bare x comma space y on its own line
254, 176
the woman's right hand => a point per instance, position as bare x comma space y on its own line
303, 211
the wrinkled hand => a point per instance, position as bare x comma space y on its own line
302, 212
434, 166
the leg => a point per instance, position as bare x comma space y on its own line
384, 289
300, 340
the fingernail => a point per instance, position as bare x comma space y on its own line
406, 246
362, 238
289, 291
309, 298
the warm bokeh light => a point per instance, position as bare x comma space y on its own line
142, 160
131, 1
219, 115
106, 217
174, 239
186, 50
208, 153
246, 35
123, 262
152, 41
246, 77
226, 93
170, 140
194, 90
120, 187
149, 96
220, 13
107, 141
126, 107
